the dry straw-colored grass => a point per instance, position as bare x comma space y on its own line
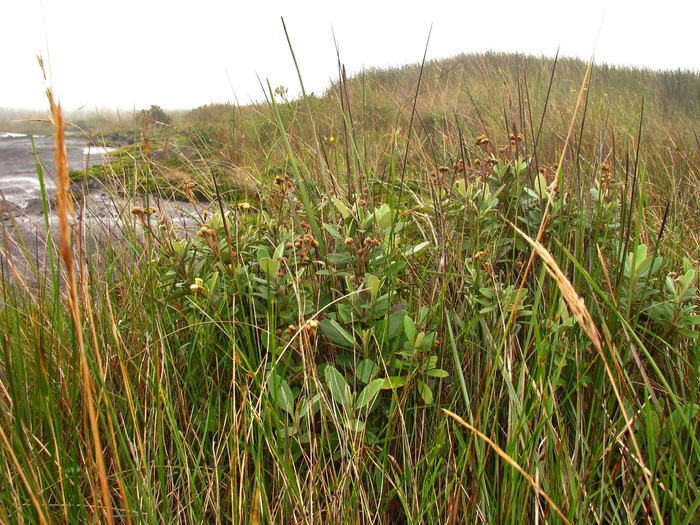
65, 212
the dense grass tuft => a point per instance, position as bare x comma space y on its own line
467, 295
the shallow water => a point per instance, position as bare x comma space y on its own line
19, 182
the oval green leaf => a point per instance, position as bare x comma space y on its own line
340, 391
369, 393
336, 333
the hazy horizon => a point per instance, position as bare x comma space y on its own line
150, 53
115, 109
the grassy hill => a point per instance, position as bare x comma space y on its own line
462, 292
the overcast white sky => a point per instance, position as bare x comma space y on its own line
177, 54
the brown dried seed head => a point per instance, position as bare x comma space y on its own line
482, 140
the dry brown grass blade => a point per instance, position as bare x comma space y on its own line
64, 202
575, 303
584, 319
24, 476
65, 212
255, 515
502, 453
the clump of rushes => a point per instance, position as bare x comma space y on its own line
452, 313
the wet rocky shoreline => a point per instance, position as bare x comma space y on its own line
100, 213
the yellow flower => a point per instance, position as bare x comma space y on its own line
197, 285
332, 138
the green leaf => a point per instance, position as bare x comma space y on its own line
261, 254
395, 323
179, 247
335, 233
436, 372
345, 313
425, 392
344, 360
373, 284
280, 392
336, 333
342, 208
383, 216
460, 188
690, 410
416, 249
540, 185
341, 259
371, 438
366, 370
369, 393
355, 425
340, 391
269, 266
307, 408
409, 329
393, 382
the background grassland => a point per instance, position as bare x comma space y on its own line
355, 273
